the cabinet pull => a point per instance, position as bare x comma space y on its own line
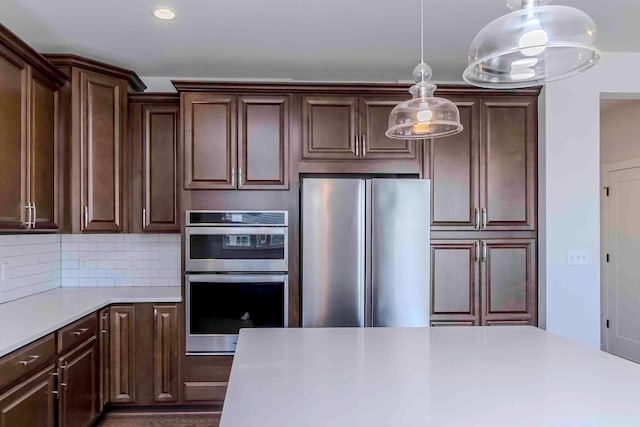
363, 141
86, 217
233, 176
357, 142
240, 177
80, 331
104, 331
144, 220
28, 208
35, 215
477, 219
30, 361
477, 252
484, 251
484, 218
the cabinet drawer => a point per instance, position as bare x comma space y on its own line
205, 391
26, 360
77, 333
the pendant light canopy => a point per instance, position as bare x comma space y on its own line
424, 116
534, 44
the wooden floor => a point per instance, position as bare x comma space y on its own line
141, 419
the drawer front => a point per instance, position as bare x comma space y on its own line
26, 360
77, 333
205, 391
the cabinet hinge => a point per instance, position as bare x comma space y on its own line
607, 323
607, 258
606, 191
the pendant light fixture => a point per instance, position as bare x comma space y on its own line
535, 44
424, 116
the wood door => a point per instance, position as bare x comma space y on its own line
160, 206
455, 173
79, 385
210, 141
508, 163
263, 149
13, 142
330, 127
122, 337
165, 353
43, 163
30, 403
104, 368
374, 120
455, 279
102, 104
509, 291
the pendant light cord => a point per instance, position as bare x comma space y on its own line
421, 30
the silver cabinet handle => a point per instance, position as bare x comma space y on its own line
476, 225
477, 251
86, 217
29, 361
233, 176
484, 218
28, 208
484, 251
35, 215
144, 220
240, 177
80, 331
363, 141
357, 142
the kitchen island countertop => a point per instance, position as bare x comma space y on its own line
476, 376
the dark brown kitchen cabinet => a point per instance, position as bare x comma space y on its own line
508, 146
153, 147
455, 281
122, 354
210, 141
455, 187
483, 282
350, 127
104, 357
79, 385
31, 402
165, 353
235, 142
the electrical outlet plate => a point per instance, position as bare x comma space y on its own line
577, 257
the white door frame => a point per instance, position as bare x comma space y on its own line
605, 169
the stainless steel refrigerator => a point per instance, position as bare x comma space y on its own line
365, 252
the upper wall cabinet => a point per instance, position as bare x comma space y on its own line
235, 142
153, 152
350, 127
29, 89
94, 115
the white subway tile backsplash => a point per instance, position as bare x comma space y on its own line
120, 260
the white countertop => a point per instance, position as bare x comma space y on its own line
25, 320
484, 376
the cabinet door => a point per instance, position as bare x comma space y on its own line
79, 386
509, 292
30, 403
455, 277
122, 353
330, 127
43, 164
374, 120
263, 151
103, 106
210, 141
454, 174
104, 369
13, 142
159, 168
508, 163
165, 353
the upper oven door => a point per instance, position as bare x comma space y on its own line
221, 249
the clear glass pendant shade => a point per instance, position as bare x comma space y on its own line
424, 116
534, 44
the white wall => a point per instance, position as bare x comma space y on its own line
572, 188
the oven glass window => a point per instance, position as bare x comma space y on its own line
237, 246
225, 308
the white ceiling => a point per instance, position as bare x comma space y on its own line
348, 40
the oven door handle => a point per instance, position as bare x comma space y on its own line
237, 278
214, 231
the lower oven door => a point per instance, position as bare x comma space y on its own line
219, 305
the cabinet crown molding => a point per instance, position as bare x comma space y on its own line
69, 60
335, 88
33, 58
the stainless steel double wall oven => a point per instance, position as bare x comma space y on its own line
236, 265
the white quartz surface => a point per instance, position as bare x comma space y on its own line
27, 319
484, 376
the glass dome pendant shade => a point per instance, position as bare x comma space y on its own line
535, 44
424, 116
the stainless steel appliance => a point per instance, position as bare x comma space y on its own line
236, 241
236, 264
365, 252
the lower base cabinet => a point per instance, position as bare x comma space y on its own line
31, 402
78, 385
487, 282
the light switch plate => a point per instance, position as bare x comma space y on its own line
577, 257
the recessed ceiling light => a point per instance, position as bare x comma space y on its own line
164, 13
